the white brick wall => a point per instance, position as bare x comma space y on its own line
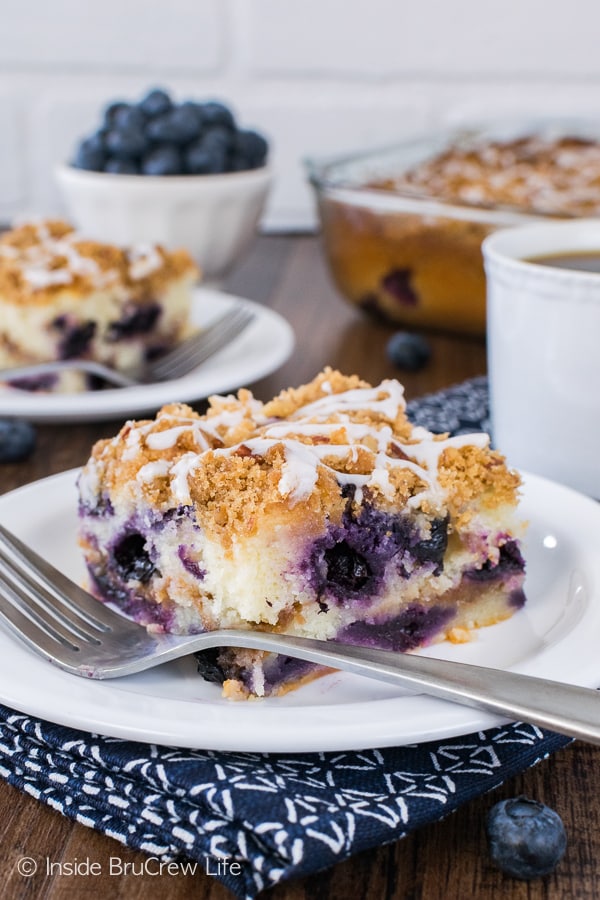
68, 35
318, 76
12, 188
380, 39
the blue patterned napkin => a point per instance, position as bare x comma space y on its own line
256, 819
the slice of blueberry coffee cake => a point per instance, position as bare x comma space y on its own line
64, 297
322, 513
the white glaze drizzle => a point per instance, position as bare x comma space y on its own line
231, 418
144, 259
360, 398
38, 267
180, 473
153, 470
132, 441
304, 460
89, 483
39, 261
162, 440
39, 278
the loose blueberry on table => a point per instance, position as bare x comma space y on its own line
527, 839
407, 351
157, 136
17, 440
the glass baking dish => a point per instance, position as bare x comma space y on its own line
412, 257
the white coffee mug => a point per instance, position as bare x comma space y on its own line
543, 326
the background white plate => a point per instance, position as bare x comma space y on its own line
554, 636
264, 346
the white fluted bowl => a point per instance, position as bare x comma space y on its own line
214, 217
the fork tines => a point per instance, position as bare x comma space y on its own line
42, 606
199, 347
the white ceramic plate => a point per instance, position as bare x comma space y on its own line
264, 346
554, 636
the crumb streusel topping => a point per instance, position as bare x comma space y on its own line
244, 456
38, 260
553, 176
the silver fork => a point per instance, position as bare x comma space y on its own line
67, 626
185, 357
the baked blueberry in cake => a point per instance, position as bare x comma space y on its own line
321, 513
65, 297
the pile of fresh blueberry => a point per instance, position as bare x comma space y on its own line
160, 137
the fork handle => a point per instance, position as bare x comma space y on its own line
564, 708
36, 370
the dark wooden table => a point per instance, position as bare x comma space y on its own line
447, 860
